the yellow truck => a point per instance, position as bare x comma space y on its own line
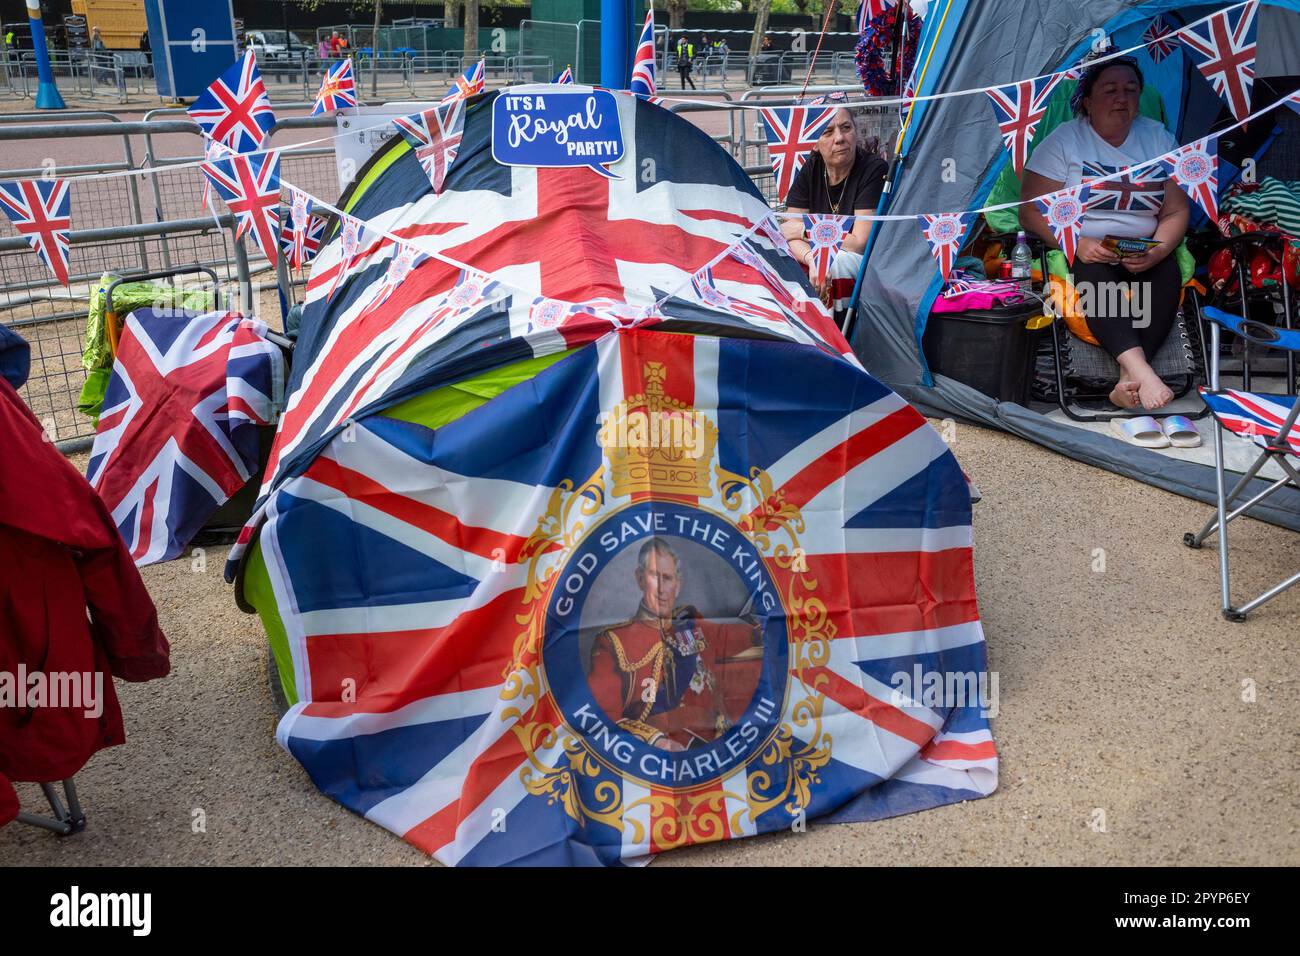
120, 22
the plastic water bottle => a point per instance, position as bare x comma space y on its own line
1021, 259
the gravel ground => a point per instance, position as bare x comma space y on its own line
1123, 695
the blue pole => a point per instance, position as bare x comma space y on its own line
615, 43
47, 94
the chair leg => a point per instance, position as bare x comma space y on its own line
1198, 539
1267, 595
1220, 489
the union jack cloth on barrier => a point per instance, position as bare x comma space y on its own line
1223, 49
643, 66
338, 89
435, 136
177, 435
235, 110
520, 225
469, 84
1142, 189
41, 211
250, 186
443, 608
1258, 417
1160, 39
1019, 108
792, 132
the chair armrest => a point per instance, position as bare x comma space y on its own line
1252, 331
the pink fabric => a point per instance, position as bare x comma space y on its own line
995, 295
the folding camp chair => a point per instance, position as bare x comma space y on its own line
67, 820
1267, 420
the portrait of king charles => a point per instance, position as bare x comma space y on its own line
668, 675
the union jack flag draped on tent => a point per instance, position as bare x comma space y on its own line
944, 234
1160, 38
41, 210
250, 186
235, 110
643, 66
338, 89
1019, 108
792, 132
435, 137
1064, 214
177, 433
1195, 167
1142, 189
470, 84
1223, 49
440, 551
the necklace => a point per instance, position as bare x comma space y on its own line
835, 203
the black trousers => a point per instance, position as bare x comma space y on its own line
685, 73
1127, 310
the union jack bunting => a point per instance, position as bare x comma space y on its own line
1064, 214
792, 132
1141, 190
470, 84
521, 226
250, 185
1019, 107
235, 110
435, 136
300, 235
1160, 38
405, 259
1195, 167
826, 236
944, 234
352, 232
1223, 49
453, 548
338, 89
211, 150
565, 77
1255, 416
41, 211
869, 10
643, 66
177, 435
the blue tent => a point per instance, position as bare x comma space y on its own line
975, 44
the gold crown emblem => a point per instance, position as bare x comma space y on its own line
658, 444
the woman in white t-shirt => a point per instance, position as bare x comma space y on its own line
1131, 303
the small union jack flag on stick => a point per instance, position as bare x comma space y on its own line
1064, 214
468, 85
643, 66
338, 89
792, 132
944, 234
250, 186
826, 236
1160, 38
1019, 108
871, 9
565, 78
41, 210
1195, 167
435, 136
1223, 49
235, 110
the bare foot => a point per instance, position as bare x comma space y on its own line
1154, 393
1125, 394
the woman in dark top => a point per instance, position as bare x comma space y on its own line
843, 176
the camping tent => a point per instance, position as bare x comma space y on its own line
584, 537
977, 44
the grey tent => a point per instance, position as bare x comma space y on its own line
974, 44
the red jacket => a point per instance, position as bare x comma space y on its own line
61, 556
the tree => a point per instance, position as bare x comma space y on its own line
676, 14
761, 10
471, 28
451, 14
